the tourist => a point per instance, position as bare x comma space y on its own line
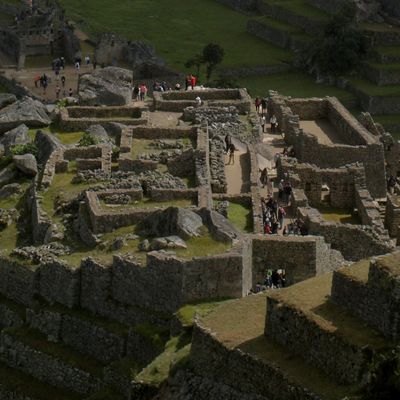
36, 80
87, 60
63, 81
70, 92
58, 90
231, 153
62, 62
391, 184
264, 105
274, 123
264, 177
228, 141
281, 216
142, 91
193, 81
287, 192
257, 103
187, 82
77, 65
263, 122
178, 86
277, 157
280, 190
135, 93
198, 101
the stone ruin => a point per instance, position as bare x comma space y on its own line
107, 243
41, 29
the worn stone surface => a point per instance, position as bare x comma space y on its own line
109, 86
27, 111
26, 164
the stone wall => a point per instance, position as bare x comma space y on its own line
381, 76
177, 101
301, 257
45, 367
375, 301
306, 335
392, 215
308, 149
355, 242
240, 371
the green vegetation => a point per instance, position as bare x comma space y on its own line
187, 313
241, 217
149, 203
375, 90
296, 84
88, 140
176, 350
301, 7
38, 341
157, 335
339, 215
195, 22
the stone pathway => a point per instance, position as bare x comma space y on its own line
238, 174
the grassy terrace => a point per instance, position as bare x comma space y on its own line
339, 215
143, 146
149, 203
240, 324
37, 341
296, 84
300, 7
375, 90
195, 23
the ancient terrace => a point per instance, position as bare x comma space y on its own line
127, 221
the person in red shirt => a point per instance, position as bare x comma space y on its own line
193, 81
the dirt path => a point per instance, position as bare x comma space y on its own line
323, 130
238, 174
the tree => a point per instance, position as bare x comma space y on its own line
213, 54
341, 48
195, 61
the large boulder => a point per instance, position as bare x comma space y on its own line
8, 175
110, 86
46, 143
173, 221
7, 99
10, 190
16, 136
220, 228
26, 163
28, 111
99, 133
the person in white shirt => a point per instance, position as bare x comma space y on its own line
274, 123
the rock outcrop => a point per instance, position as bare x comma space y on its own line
109, 86
173, 221
7, 99
27, 111
26, 163
16, 136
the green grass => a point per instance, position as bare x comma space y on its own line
339, 215
157, 335
176, 350
301, 7
378, 27
294, 84
389, 50
187, 313
278, 25
389, 119
385, 67
149, 203
178, 29
241, 217
375, 90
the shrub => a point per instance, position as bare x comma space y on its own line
88, 140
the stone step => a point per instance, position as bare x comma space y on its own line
16, 385
54, 364
304, 320
382, 74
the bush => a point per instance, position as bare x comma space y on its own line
88, 140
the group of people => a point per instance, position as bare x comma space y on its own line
284, 191
261, 108
274, 279
139, 92
273, 215
297, 227
190, 82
